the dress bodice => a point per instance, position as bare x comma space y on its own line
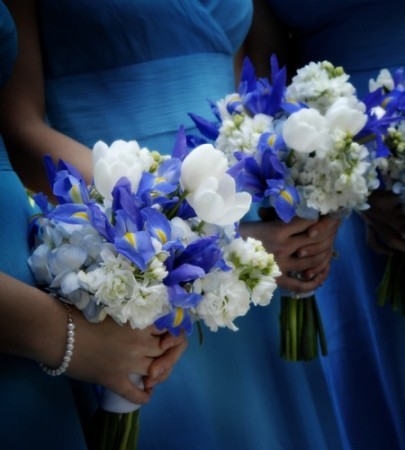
120, 33
141, 78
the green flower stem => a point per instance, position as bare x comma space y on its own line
172, 213
112, 431
301, 329
392, 286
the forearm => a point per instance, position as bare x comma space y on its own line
28, 144
32, 324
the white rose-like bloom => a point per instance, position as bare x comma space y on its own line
122, 296
224, 299
384, 79
211, 191
306, 130
147, 303
121, 159
347, 115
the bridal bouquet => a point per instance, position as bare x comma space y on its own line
153, 240
392, 172
302, 149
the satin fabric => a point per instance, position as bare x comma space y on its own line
37, 411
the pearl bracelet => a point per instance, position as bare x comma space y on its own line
70, 343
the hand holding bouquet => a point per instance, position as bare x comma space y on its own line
305, 149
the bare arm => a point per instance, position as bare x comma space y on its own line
33, 325
22, 109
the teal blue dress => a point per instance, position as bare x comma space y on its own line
36, 411
365, 369
133, 70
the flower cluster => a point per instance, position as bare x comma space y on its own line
392, 104
305, 148
154, 239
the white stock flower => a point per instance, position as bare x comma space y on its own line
242, 134
319, 85
255, 266
306, 130
211, 191
120, 159
225, 298
384, 79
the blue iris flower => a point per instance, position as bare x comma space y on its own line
259, 95
284, 198
67, 183
131, 242
193, 262
179, 317
73, 213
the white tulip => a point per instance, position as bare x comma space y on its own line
347, 115
211, 191
306, 130
203, 162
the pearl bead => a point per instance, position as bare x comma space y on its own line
68, 350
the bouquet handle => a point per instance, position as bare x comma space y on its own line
112, 402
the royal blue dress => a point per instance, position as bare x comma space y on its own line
365, 369
133, 70
37, 411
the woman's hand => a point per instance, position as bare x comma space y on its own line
385, 222
301, 246
161, 367
106, 353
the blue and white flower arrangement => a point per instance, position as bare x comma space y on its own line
304, 149
389, 88
153, 240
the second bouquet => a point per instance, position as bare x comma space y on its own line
306, 149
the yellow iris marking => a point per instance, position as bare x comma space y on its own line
287, 196
178, 318
160, 180
271, 140
75, 193
82, 215
162, 236
130, 237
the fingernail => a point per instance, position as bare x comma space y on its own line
302, 253
313, 233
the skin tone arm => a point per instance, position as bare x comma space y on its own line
301, 246
22, 111
33, 325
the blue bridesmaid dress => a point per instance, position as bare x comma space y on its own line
151, 63
365, 368
37, 412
